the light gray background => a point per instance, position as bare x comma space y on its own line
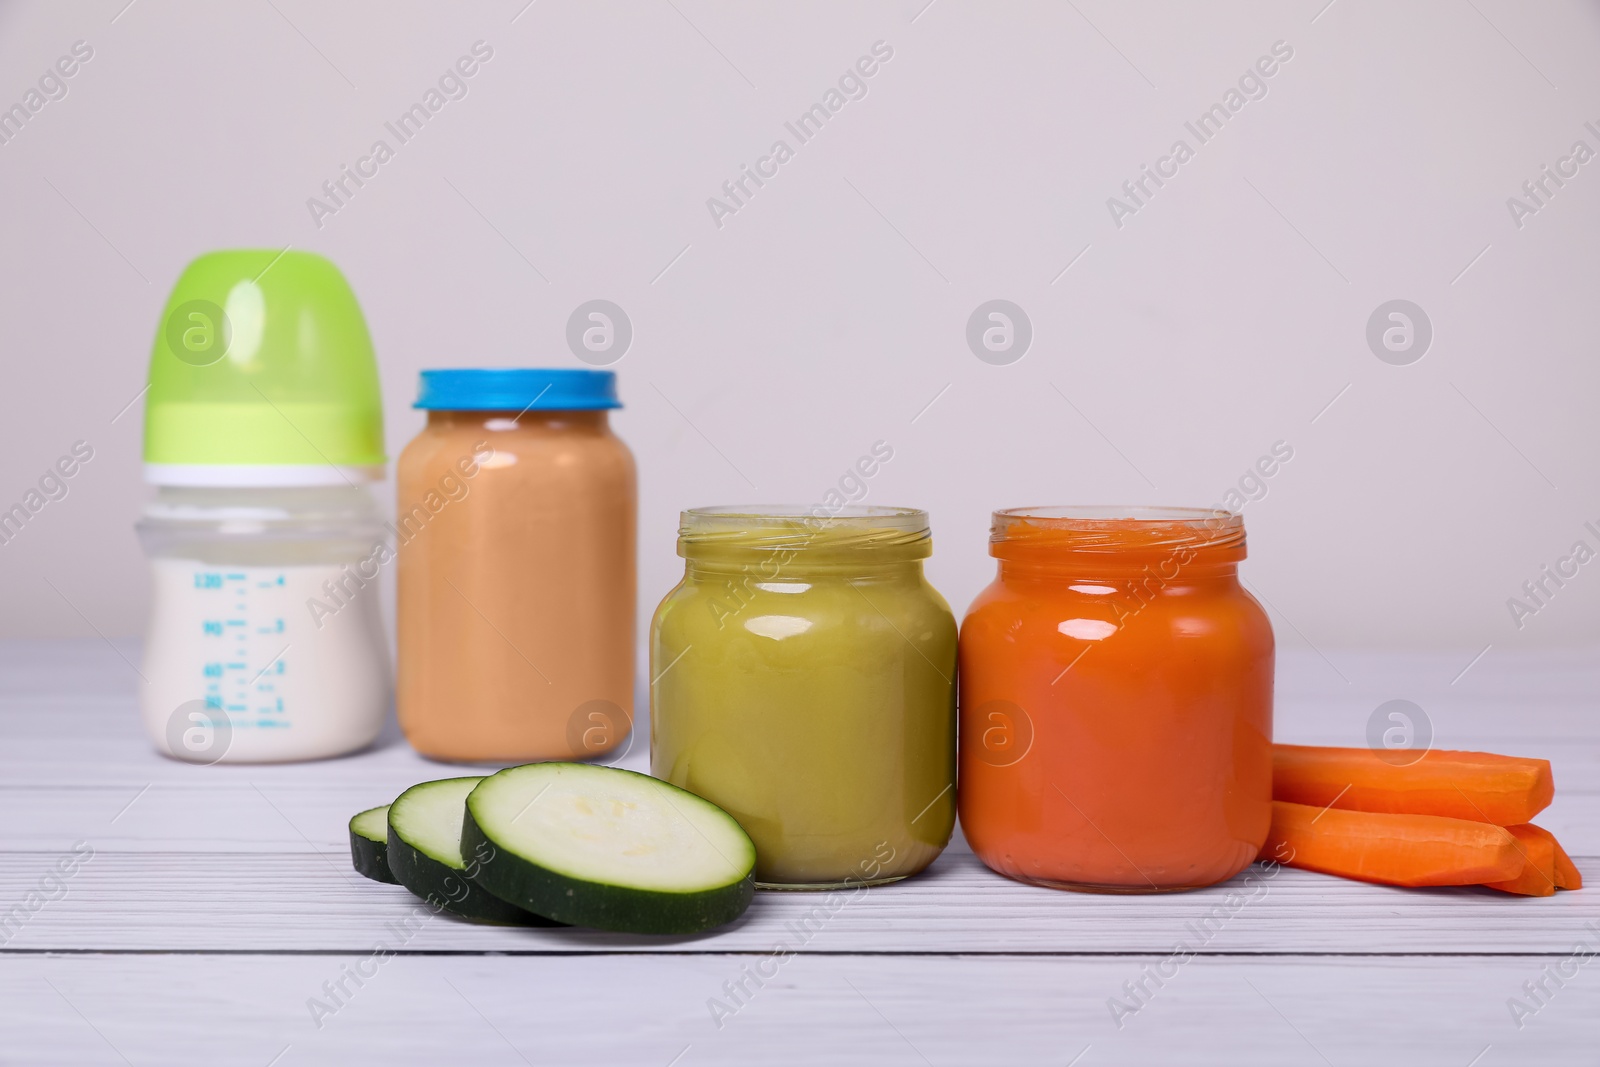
828, 313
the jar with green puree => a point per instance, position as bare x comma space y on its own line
805, 682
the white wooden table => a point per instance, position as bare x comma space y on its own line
220, 900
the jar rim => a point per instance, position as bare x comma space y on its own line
747, 515
1116, 528
1120, 513
817, 528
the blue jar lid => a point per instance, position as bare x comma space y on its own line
517, 389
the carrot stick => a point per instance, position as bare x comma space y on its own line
1567, 875
1408, 850
1566, 872
1478, 786
1538, 875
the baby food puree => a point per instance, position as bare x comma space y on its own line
516, 576
804, 682
1116, 701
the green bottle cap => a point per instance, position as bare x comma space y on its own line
262, 374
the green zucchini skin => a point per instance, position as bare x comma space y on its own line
449, 889
370, 858
576, 902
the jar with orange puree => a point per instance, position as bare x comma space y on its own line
1116, 701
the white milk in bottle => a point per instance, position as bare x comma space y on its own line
264, 645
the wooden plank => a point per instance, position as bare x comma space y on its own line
255, 901
840, 1011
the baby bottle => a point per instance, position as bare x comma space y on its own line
263, 431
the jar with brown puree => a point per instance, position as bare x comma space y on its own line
515, 534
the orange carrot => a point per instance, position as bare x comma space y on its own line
1538, 875
1478, 786
1566, 872
1567, 876
1408, 850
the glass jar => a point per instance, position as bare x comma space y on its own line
266, 639
1116, 701
804, 680
516, 585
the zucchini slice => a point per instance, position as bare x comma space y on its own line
425, 853
608, 848
369, 844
